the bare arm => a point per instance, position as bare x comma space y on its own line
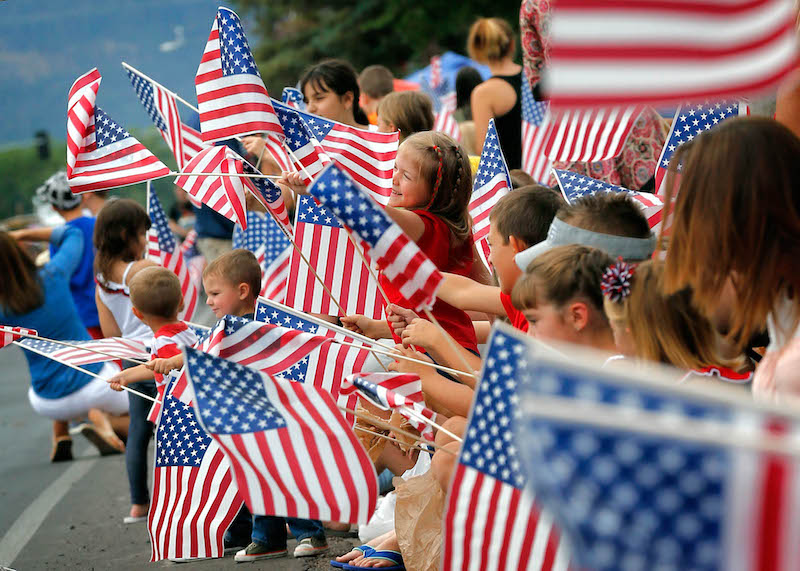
33, 234
411, 223
423, 333
469, 295
128, 376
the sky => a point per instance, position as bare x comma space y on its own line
52, 42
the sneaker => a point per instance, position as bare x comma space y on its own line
311, 546
257, 551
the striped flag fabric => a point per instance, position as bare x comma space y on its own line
489, 515
101, 154
656, 474
164, 249
87, 352
367, 156
688, 123
267, 193
325, 244
275, 149
374, 388
225, 194
325, 367
230, 92
291, 451
445, 121
668, 52
9, 334
292, 97
436, 72
271, 248
162, 108
307, 153
189, 244
492, 182
575, 186
397, 256
534, 129
194, 496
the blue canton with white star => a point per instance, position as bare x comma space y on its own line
575, 186
166, 241
255, 235
292, 96
231, 398
180, 440
106, 130
298, 132
533, 111
144, 89
268, 189
336, 190
311, 212
317, 126
490, 443
692, 120
631, 501
492, 162
268, 314
234, 49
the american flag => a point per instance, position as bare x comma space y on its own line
689, 122
225, 194
326, 246
575, 186
277, 151
100, 154
307, 153
9, 334
292, 97
534, 131
271, 248
367, 156
230, 92
489, 515
324, 368
436, 72
376, 388
189, 245
589, 135
610, 52
162, 107
291, 451
397, 256
492, 182
268, 194
445, 121
166, 346
86, 352
194, 496
657, 489
164, 250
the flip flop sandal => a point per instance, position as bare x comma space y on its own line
384, 555
62, 449
103, 446
365, 549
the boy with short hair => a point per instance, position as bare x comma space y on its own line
376, 82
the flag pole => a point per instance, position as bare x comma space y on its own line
84, 371
406, 358
226, 174
150, 79
65, 344
386, 437
429, 421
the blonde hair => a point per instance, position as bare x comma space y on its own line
409, 111
237, 267
490, 39
665, 328
156, 291
444, 165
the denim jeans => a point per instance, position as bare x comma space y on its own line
139, 433
271, 530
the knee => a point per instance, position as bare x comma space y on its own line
443, 463
454, 424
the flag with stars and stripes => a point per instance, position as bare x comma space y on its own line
267, 193
194, 496
445, 122
326, 367
575, 186
688, 123
489, 515
86, 352
367, 156
291, 451
648, 474
278, 153
306, 152
492, 182
534, 113
230, 92
101, 154
164, 249
271, 248
398, 257
375, 387
9, 334
326, 246
162, 108
292, 97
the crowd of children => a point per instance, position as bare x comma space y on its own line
591, 273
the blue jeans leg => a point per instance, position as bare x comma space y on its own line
303, 528
139, 433
270, 530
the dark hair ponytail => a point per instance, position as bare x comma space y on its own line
338, 76
117, 225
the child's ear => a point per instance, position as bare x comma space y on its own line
347, 99
517, 244
578, 315
180, 305
244, 291
139, 315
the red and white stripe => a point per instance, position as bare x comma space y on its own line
592, 135
168, 108
610, 52
406, 385
189, 242
225, 194
234, 105
277, 152
275, 277
80, 113
85, 353
445, 122
436, 71
9, 334
534, 160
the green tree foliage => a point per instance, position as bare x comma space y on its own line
400, 34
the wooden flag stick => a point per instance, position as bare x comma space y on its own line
84, 371
426, 420
226, 174
450, 341
386, 437
65, 344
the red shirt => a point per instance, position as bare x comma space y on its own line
515, 315
435, 243
168, 342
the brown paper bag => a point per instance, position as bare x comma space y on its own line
418, 521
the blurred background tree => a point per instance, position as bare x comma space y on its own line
400, 34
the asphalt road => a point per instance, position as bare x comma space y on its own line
69, 515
